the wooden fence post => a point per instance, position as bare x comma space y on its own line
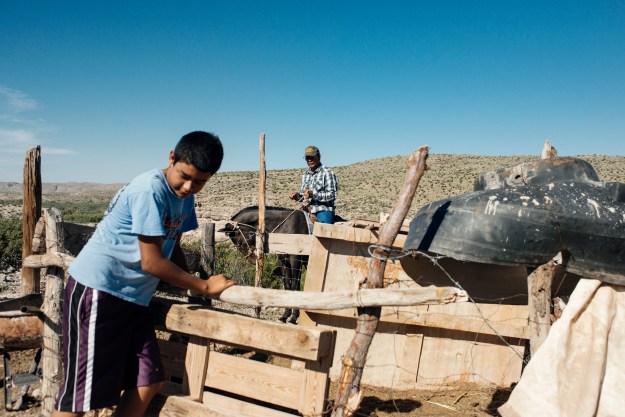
52, 308
207, 260
31, 211
353, 362
260, 234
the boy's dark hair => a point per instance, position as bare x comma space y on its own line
203, 150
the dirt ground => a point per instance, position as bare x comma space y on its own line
458, 400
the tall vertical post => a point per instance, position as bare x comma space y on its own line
208, 250
31, 212
260, 233
52, 308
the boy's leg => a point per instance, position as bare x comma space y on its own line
135, 401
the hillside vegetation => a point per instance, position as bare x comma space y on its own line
366, 188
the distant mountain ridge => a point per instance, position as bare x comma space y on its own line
367, 188
52, 187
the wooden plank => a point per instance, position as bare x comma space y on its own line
489, 319
448, 321
315, 386
447, 356
284, 243
397, 358
195, 366
214, 406
241, 408
352, 234
394, 356
263, 335
315, 273
253, 379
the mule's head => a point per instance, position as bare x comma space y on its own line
243, 237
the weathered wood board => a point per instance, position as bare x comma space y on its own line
423, 346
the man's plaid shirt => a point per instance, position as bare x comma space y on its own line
325, 187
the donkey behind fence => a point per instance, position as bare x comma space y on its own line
242, 231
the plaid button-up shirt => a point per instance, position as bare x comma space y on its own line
324, 185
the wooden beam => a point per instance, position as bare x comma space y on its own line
352, 234
261, 236
349, 394
195, 366
284, 243
336, 300
267, 336
208, 250
52, 305
439, 321
61, 260
31, 212
275, 384
214, 405
539, 304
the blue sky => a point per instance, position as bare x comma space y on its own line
107, 88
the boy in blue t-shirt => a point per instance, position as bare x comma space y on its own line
109, 343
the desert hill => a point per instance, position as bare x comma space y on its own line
366, 188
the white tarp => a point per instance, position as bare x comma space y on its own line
579, 371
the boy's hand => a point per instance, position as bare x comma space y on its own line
216, 284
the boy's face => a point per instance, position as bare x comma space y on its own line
185, 179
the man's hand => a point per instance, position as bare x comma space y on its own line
308, 193
293, 195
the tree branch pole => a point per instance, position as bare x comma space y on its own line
337, 300
349, 395
260, 233
31, 212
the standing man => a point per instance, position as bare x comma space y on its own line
319, 187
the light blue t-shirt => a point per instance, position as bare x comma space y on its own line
111, 260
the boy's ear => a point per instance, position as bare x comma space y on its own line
171, 158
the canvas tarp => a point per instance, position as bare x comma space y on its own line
580, 368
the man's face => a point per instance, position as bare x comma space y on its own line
313, 161
185, 179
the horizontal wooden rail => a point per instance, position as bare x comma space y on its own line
366, 297
304, 343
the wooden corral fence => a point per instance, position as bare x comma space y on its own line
425, 346
215, 383
206, 381
202, 381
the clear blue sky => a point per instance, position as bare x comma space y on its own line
108, 87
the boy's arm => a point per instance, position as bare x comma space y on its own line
153, 262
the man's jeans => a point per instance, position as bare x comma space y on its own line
325, 217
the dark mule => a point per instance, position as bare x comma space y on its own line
242, 232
